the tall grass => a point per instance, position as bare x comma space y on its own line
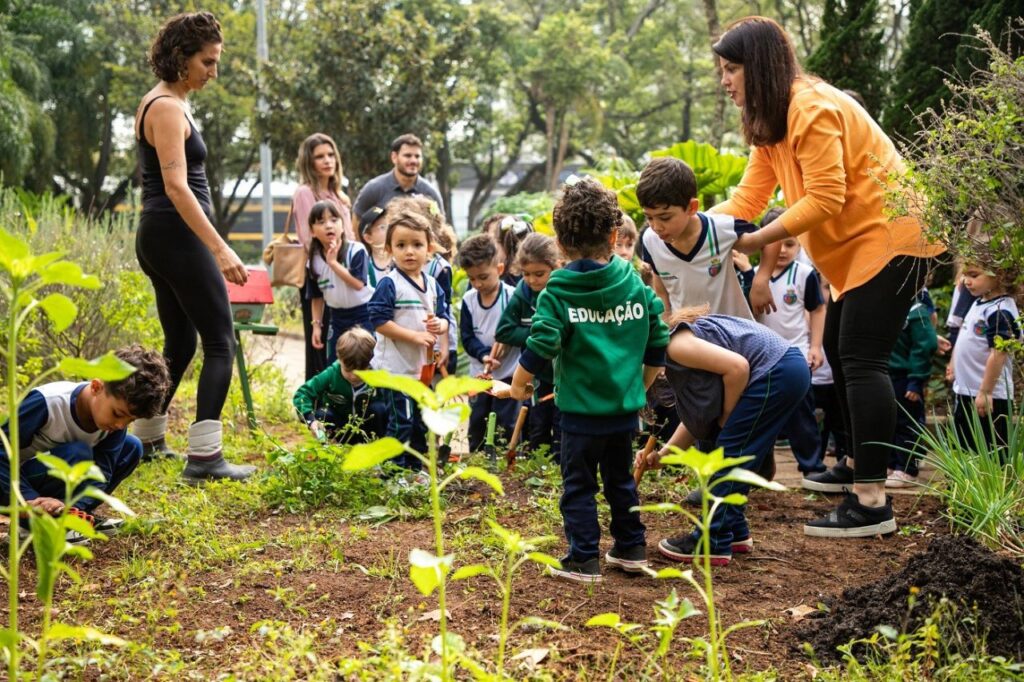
982, 487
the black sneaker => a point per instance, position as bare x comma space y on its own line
684, 548
107, 526
693, 498
631, 560
588, 571
838, 479
851, 519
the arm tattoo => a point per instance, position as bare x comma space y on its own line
171, 165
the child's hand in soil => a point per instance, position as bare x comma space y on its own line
50, 505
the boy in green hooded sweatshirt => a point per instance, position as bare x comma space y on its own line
602, 328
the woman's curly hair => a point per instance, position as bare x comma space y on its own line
182, 36
585, 217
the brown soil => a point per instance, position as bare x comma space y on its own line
984, 586
786, 569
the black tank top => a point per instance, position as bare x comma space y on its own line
154, 196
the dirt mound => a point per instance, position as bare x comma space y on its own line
987, 589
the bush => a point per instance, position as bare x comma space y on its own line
965, 180
121, 312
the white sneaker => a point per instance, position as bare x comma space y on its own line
900, 479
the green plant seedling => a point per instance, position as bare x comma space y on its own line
442, 412
23, 279
668, 614
709, 469
518, 551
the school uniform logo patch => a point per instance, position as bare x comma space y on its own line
980, 328
715, 267
790, 297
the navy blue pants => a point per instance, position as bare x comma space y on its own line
910, 422
804, 439
994, 428
751, 430
481, 405
115, 468
825, 399
374, 425
340, 320
543, 421
406, 424
583, 455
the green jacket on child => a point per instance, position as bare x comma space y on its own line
600, 324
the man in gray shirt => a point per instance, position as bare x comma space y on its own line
402, 181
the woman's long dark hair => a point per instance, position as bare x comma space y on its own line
769, 69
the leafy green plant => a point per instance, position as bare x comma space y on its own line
938, 649
442, 411
518, 551
120, 311
23, 277
980, 486
716, 172
669, 613
49, 543
964, 180
708, 470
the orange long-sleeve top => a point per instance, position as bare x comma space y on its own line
829, 166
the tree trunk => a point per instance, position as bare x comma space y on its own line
563, 144
550, 119
444, 173
714, 32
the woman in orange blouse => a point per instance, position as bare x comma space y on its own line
830, 158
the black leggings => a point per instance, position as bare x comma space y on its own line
860, 332
190, 297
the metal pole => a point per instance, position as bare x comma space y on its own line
262, 54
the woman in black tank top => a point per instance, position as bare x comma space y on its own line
178, 247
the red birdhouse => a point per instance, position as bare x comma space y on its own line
249, 300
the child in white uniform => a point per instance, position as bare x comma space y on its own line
982, 375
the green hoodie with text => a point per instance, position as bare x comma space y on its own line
600, 325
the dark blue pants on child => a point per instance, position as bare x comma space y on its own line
994, 428
374, 423
583, 455
340, 320
753, 426
405, 424
910, 422
543, 421
116, 467
804, 439
826, 400
481, 405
